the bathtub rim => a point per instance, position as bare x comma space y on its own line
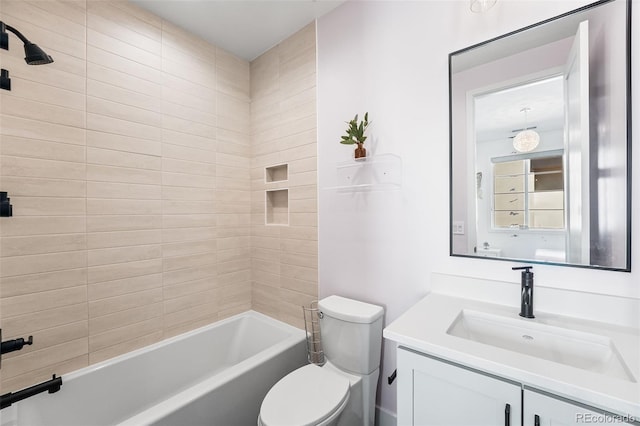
191, 394
182, 336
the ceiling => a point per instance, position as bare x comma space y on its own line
246, 28
498, 115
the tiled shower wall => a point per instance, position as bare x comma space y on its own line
284, 259
128, 165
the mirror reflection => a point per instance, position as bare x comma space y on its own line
540, 141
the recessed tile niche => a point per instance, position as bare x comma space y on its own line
277, 173
277, 207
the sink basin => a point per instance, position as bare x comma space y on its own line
578, 349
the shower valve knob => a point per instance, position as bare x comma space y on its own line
15, 344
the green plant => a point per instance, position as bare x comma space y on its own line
355, 131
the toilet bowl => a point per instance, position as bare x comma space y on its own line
342, 391
309, 396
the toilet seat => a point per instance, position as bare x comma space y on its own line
307, 396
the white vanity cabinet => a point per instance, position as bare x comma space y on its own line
433, 392
545, 410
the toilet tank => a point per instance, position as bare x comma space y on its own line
351, 333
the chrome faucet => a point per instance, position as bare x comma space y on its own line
526, 291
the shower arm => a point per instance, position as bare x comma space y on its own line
4, 26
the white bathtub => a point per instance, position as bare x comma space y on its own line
215, 375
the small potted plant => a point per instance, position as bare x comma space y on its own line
355, 135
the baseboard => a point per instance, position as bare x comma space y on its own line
385, 417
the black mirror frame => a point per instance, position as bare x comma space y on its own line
627, 267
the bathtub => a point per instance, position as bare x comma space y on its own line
215, 375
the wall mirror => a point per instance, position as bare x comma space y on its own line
540, 142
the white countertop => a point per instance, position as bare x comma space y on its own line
424, 328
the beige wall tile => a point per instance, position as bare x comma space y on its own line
123, 159
105, 19
149, 135
189, 274
122, 318
191, 167
74, 11
188, 288
23, 226
102, 223
123, 80
187, 194
106, 256
186, 318
39, 92
187, 113
115, 206
208, 297
20, 246
55, 354
114, 288
35, 302
102, 123
53, 189
119, 63
122, 96
112, 190
190, 261
207, 143
34, 283
42, 320
191, 45
35, 167
21, 265
122, 48
125, 143
283, 126
97, 172
118, 271
41, 130
38, 375
34, 110
114, 336
21, 147
124, 347
51, 337
123, 302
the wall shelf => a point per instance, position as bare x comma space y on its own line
374, 173
276, 207
278, 173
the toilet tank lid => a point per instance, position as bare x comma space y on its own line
350, 310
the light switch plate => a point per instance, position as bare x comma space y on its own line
458, 228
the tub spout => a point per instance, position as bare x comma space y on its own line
51, 386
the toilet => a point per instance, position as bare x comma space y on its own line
343, 391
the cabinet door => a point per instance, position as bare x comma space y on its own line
433, 392
544, 410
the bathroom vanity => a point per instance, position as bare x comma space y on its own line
468, 362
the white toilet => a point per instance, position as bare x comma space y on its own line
343, 391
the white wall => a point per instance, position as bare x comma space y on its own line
390, 58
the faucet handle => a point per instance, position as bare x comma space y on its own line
527, 269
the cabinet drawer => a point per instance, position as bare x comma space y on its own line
506, 219
509, 202
509, 184
509, 168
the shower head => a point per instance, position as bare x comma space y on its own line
33, 54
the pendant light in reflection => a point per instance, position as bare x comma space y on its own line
479, 6
526, 140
